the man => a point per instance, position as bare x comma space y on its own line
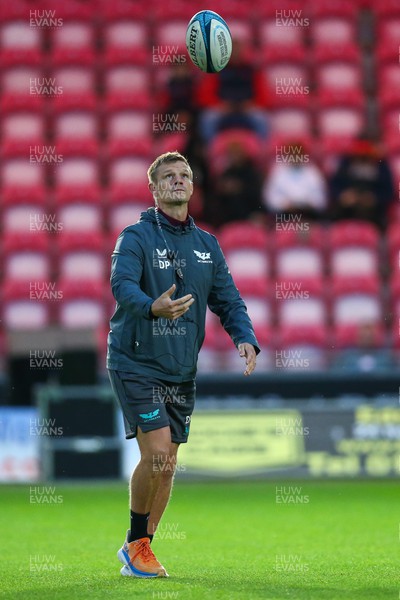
165, 271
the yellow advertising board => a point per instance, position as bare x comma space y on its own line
230, 443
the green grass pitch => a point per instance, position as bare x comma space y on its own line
330, 540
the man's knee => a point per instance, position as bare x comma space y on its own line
159, 459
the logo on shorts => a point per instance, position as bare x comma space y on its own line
151, 416
187, 424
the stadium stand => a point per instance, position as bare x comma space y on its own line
89, 90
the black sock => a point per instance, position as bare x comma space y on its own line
138, 526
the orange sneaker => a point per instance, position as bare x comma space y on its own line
139, 560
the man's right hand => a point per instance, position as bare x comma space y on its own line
171, 309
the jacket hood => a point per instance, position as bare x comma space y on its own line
150, 216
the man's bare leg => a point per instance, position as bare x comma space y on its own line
151, 481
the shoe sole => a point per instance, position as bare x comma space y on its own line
128, 570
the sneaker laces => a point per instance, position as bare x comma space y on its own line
145, 551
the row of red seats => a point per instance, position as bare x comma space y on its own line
81, 305
104, 11
289, 233
134, 41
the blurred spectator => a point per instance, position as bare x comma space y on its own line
366, 355
237, 190
362, 187
295, 185
179, 92
179, 130
234, 97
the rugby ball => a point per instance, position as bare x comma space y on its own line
208, 41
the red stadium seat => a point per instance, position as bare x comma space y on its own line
302, 261
73, 10
298, 286
23, 134
291, 122
255, 295
281, 77
209, 360
280, 44
126, 42
124, 214
76, 134
20, 44
23, 307
242, 31
123, 9
345, 53
302, 312
73, 44
77, 89
170, 36
357, 309
354, 248
174, 10
83, 304
25, 216
389, 87
367, 284
338, 127
80, 217
349, 336
338, 8
329, 31
129, 132
302, 348
286, 14
387, 9
22, 180
14, 11
299, 253
388, 32
81, 257
338, 76
77, 178
246, 250
127, 88
128, 179
21, 87
353, 233
313, 335
232, 9
312, 236
26, 256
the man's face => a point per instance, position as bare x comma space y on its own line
173, 185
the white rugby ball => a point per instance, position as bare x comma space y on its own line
208, 41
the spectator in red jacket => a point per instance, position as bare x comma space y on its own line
362, 187
236, 97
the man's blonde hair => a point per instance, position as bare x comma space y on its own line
168, 157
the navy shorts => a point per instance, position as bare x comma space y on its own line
154, 404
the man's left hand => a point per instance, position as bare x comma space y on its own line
247, 350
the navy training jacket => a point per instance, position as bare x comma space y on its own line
141, 272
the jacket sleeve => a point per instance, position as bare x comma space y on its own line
225, 301
126, 273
